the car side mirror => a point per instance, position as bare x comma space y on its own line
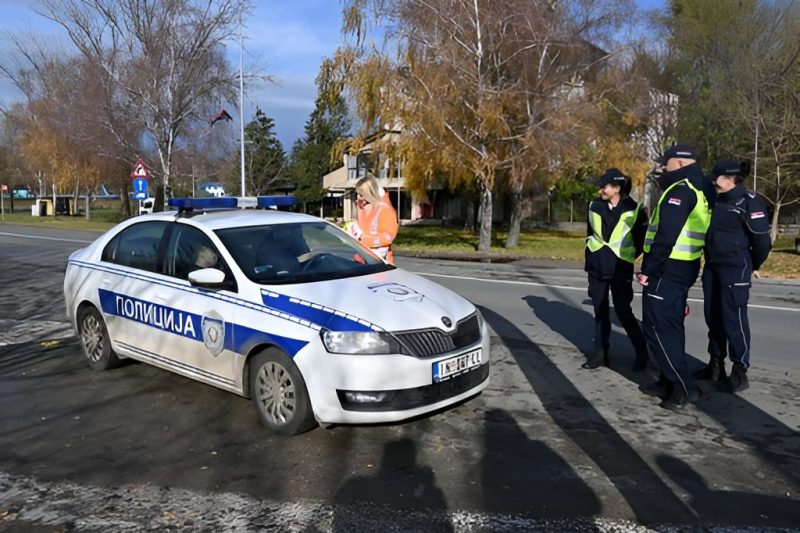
207, 277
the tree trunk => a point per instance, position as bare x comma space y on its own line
485, 241
773, 231
512, 241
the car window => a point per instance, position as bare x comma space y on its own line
298, 253
136, 246
190, 249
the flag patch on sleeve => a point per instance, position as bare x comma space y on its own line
757, 214
675, 200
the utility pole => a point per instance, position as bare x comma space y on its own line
241, 97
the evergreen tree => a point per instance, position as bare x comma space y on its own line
311, 155
264, 158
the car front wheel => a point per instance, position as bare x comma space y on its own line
279, 393
95, 340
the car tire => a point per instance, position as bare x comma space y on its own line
279, 393
96, 343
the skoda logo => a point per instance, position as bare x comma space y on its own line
446, 321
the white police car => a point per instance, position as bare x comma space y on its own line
281, 307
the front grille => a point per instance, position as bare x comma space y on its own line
403, 399
433, 342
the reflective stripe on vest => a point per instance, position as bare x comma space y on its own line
690, 242
621, 240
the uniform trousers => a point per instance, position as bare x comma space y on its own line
663, 312
726, 291
622, 296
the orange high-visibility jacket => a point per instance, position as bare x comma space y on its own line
379, 227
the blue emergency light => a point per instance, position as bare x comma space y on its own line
230, 202
275, 201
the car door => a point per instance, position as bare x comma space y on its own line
204, 347
130, 288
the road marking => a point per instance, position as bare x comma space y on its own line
4, 234
568, 288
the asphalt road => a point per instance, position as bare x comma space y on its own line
547, 446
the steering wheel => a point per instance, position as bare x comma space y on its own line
310, 258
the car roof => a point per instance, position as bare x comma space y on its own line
233, 218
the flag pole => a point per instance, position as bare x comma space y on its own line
241, 98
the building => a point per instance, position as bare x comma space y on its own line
437, 204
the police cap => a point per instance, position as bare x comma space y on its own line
613, 176
730, 167
680, 151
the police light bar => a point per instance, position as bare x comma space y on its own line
230, 202
190, 204
275, 201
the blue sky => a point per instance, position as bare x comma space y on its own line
286, 38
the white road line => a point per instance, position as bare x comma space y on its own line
583, 289
4, 234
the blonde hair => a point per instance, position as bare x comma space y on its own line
369, 189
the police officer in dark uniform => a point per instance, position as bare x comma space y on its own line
672, 249
738, 242
615, 236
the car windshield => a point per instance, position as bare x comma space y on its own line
298, 253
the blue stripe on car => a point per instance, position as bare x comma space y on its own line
238, 339
325, 317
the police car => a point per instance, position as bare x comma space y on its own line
280, 307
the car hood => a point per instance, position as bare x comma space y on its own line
394, 300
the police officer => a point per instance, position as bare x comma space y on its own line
737, 243
615, 235
672, 249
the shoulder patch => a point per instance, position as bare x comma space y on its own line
757, 214
675, 200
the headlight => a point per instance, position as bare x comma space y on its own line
359, 342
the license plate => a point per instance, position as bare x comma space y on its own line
459, 364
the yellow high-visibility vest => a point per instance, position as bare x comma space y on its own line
692, 238
621, 240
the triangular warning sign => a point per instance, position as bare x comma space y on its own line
140, 170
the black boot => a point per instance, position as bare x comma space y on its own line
599, 359
737, 380
714, 370
678, 400
660, 389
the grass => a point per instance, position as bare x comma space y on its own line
784, 261
102, 219
535, 244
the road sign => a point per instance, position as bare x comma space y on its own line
140, 185
140, 170
140, 196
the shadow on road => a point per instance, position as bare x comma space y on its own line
402, 492
648, 496
729, 507
577, 327
521, 473
768, 436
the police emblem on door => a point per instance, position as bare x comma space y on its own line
213, 335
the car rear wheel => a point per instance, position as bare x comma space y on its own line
95, 340
279, 393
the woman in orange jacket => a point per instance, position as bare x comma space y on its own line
377, 219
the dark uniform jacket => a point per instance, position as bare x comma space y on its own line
674, 211
739, 231
603, 263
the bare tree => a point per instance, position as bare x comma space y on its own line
163, 61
